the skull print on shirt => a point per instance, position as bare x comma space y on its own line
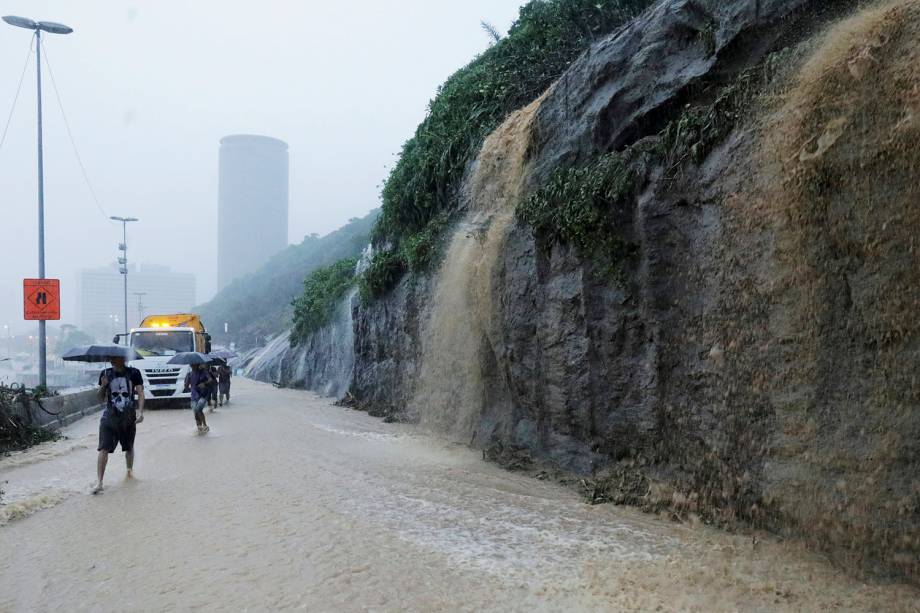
120, 396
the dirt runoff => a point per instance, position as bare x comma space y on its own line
291, 503
840, 173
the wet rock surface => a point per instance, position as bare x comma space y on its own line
323, 363
755, 365
387, 349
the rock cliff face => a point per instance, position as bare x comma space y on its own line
324, 363
757, 361
761, 345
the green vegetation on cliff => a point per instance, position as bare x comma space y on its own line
259, 305
322, 291
542, 43
578, 205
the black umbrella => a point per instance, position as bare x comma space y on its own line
189, 357
223, 354
101, 353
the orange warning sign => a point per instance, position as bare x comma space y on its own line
42, 299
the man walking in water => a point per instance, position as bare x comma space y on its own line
118, 385
199, 384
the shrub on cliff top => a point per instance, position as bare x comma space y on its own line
322, 291
542, 43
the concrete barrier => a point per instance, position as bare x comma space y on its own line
57, 412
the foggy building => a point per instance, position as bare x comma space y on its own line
100, 294
252, 213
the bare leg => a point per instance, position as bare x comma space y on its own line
129, 462
101, 462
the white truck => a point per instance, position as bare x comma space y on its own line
158, 339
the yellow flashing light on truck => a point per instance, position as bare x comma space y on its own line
180, 320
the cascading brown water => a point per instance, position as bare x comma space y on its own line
450, 390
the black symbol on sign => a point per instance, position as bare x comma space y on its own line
41, 298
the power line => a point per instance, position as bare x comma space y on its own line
16, 97
73, 143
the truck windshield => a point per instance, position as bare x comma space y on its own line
162, 343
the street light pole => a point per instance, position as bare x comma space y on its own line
54, 28
123, 259
42, 334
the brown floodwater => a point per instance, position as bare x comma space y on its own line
292, 503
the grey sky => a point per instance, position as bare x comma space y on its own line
151, 86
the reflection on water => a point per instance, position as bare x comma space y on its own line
297, 504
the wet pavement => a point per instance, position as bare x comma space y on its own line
292, 503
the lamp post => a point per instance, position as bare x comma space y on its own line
123, 259
52, 28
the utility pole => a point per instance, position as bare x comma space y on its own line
54, 28
123, 259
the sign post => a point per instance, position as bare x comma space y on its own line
41, 301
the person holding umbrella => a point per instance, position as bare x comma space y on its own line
118, 386
198, 382
223, 374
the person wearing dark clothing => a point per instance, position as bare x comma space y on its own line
119, 385
223, 384
198, 382
212, 389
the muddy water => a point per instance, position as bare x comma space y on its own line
459, 326
291, 503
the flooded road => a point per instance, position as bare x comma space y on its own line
291, 503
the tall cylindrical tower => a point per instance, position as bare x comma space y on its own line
252, 196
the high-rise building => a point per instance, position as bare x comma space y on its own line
151, 290
252, 222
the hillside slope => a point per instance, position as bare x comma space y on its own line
259, 305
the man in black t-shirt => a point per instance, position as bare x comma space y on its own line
119, 385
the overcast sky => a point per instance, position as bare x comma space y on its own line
150, 87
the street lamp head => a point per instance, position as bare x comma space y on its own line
46, 26
54, 28
21, 22
123, 219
